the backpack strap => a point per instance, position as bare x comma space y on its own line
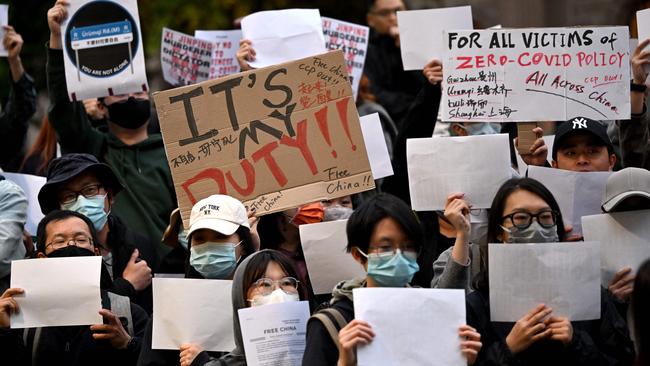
329, 324
337, 316
121, 307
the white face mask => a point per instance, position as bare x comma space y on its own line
276, 297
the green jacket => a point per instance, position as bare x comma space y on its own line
148, 196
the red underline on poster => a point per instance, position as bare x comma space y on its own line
565, 97
611, 82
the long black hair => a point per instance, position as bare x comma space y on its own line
256, 269
365, 217
495, 218
640, 303
248, 248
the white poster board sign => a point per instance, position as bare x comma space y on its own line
280, 36
4, 20
421, 33
439, 166
58, 292
192, 311
275, 334
184, 59
536, 74
403, 317
373, 136
31, 185
103, 49
563, 276
328, 262
578, 193
353, 40
624, 238
225, 44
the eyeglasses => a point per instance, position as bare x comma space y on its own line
89, 191
522, 220
79, 240
266, 285
382, 250
388, 11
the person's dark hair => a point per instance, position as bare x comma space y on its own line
60, 215
267, 228
495, 218
248, 248
256, 268
362, 223
495, 214
640, 303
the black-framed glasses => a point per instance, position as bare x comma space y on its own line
384, 249
79, 240
523, 219
89, 191
266, 285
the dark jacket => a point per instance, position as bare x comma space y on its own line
14, 119
419, 123
394, 88
71, 346
634, 140
123, 242
148, 196
596, 342
165, 357
320, 349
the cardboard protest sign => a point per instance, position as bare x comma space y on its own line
184, 59
542, 74
352, 39
103, 49
4, 20
225, 44
274, 138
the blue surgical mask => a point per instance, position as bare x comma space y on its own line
182, 238
535, 233
481, 128
392, 270
92, 208
214, 260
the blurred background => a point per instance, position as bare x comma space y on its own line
30, 20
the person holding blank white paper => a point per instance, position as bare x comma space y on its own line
263, 278
385, 238
524, 211
626, 190
218, 239
116, 342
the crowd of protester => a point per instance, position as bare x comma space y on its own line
109, 193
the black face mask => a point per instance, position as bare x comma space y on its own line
105, 281
71, 251
131, 114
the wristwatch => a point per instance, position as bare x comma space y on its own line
641, 88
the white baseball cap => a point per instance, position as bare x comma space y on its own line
221, 213
626, 183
